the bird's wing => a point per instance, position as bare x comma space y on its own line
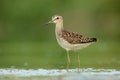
75, 38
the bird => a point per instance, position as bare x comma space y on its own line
69, 40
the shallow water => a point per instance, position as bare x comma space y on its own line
55, 74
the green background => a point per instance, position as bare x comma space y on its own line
26, 42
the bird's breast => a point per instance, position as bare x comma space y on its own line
68, 46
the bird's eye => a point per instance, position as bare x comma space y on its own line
57, 18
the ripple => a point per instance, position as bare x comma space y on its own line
84, 74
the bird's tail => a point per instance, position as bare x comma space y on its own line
93, 39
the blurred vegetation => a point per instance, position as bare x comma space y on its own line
26, 42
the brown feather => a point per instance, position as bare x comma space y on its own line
75, 38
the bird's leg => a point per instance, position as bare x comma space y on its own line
78, 61
68, 60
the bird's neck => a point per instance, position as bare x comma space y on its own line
59, 28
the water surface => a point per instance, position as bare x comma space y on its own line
55, 74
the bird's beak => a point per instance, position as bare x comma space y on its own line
49, 22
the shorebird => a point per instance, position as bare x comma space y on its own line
69, 40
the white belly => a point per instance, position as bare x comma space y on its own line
66, 45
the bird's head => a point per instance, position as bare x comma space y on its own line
56, 19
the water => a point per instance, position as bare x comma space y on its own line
32, 61
55, 74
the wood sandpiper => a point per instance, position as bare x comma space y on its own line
69, 40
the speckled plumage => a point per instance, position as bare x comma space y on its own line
75, 38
